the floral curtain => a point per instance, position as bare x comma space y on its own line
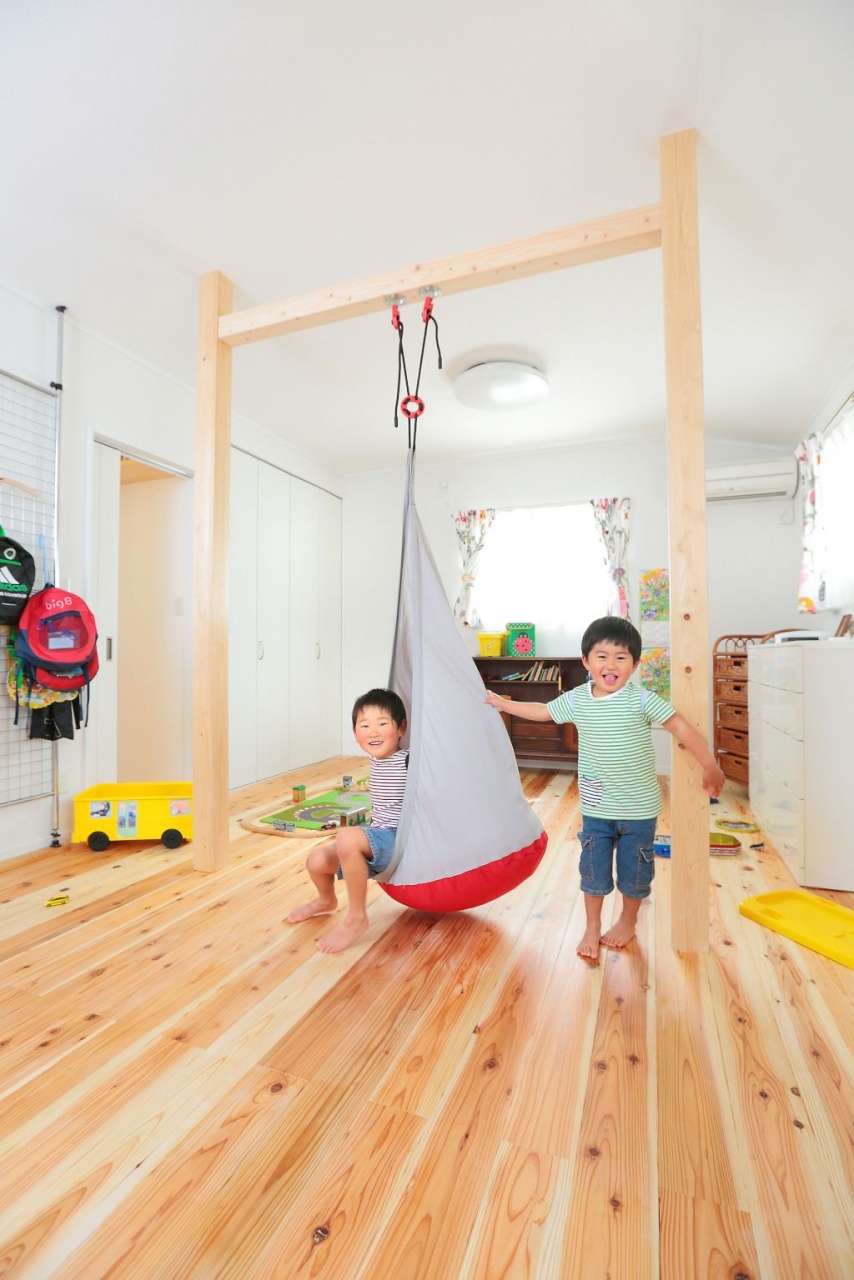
613, 520
811, 591
471, 527
836, 475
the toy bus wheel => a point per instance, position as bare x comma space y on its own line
98, 841
172, 838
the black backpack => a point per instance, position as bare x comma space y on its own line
17, 575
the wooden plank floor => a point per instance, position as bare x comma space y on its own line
189, 1090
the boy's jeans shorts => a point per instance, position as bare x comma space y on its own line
381, 840
631, 839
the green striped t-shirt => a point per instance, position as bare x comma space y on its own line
616, 759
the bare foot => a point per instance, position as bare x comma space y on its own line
619, 935
339, 938
588, 947
317, 907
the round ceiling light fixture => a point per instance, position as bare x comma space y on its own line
501, 384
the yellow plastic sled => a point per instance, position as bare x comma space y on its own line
814, 922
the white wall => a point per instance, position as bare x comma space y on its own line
754, 546
110, 393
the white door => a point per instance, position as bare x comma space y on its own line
243, 661
274, 642
315, 624
101, 737
305, 641
329, 626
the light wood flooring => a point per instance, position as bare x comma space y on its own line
188, 1089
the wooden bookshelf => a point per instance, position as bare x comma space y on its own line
544, 679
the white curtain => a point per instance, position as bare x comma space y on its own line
837, 514
472, 528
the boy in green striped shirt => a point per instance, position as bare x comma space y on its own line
617, 782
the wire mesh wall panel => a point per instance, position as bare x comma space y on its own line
28, 445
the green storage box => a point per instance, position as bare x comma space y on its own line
521, 639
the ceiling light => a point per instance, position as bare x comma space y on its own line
501, 384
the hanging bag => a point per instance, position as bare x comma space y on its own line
56, 644
17, 575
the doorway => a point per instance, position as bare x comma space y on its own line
142, 589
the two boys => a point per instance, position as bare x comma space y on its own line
617, 784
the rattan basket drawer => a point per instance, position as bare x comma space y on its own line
732, 716
731, 691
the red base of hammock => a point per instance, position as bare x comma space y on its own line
471, 888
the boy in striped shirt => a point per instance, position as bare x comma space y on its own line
617, 782
356, 854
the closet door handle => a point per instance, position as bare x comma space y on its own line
260, 650
317, 649
109, 657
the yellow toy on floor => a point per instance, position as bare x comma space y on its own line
134, 811
806, 918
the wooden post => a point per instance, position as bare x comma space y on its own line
210, 642
689, 591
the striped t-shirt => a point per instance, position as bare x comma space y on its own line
616, 759
388, 783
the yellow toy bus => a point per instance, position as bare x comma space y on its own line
134, 811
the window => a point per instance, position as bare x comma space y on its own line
544, 565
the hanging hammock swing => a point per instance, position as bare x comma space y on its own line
467, 834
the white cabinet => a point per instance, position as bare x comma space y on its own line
284, 622
801, 709
315, 624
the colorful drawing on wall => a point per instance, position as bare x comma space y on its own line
655, 595
654, 671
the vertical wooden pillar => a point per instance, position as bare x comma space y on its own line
210, 639
686, 473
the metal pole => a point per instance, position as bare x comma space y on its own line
57, 387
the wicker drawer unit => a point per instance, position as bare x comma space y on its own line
729, 674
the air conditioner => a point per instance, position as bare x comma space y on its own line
775, 478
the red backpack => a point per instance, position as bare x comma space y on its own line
56, 641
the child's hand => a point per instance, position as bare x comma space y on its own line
713, 779
494, 700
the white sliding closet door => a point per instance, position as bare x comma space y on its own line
329, 626
259, 632
274, 571
315, 624
243, 621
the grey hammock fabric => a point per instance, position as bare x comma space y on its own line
464, 806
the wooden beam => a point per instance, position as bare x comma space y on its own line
210, 686
592, 241
689, 603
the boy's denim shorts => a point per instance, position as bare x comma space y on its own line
381, 840
631, 841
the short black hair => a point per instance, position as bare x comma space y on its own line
386, 700
615, 630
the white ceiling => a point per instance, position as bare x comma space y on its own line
295, 146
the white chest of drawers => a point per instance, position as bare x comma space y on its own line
801, 708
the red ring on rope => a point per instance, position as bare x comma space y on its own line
412, 413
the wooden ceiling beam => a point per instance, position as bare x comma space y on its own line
593, 241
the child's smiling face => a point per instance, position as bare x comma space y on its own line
610, 666
376, 732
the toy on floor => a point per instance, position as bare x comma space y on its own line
134, 811
814, 922
720, 845
319, 813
